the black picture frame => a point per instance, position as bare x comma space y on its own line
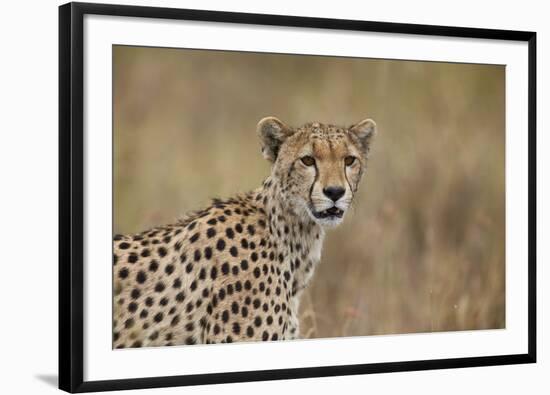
71, 204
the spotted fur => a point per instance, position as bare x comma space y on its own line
235, 271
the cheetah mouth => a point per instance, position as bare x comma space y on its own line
333, 212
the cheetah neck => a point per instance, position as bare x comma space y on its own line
297, 238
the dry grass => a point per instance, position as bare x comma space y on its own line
423, 248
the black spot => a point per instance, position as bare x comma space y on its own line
244, 311
154, 336
233, 251
141, 277
230, 289
265, 336
213, 273
221, 218
254, 256
124, 245
189, 267
208, 252
238, 286
159, 287
202, 274
178, 245
235, 270
251, 230
244, 243
149, 301
239, 228
274, 337
169, 269
236, 328
225, 316
252, 245
129, 323
177, 283
191, 226
194, 238
230, 233
167, 239
257, 272
193, 285
244, 264
221, 294
212, 221
261, 222
175, 320
123, 273
258, 321
158, 317
132, 307
287, 275
145, 252
247, 285
220, 245
269, 320
183, 258
115, 259
163, 302
162, 251
234, 307
153, 266
249, 331
216, 329
225, 268
256, 303
197, 255
190, 327
180, 296
135, 293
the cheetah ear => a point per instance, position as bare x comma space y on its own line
364, 131
272, 134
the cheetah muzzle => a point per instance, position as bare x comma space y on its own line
235, 271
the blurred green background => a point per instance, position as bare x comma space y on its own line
421, 250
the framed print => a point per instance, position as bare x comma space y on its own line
239, 188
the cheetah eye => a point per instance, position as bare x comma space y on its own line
350, 160
308, 160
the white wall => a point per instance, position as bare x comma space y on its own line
28, 181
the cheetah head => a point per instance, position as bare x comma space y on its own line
317, 167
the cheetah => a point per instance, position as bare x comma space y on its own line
235, 270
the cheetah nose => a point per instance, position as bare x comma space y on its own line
334, 193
